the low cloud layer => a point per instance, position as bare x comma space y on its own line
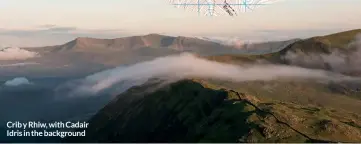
14, 53
18, 64
186, 65
17, 82
338, 61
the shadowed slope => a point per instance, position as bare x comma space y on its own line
188, 111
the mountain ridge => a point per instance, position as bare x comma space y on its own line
134, 42
153, 40
339, 52
193, 111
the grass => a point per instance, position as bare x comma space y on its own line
340, 40
299, 92
200, 111
302, 92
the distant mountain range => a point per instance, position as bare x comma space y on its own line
199, 45
87, 55
156, 42
180, 43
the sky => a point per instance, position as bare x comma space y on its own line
27, 23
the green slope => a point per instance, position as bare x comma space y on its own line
191, 111
328, 95
331, 95
325, 44
341, 39
315, 45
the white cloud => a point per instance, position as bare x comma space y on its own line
338, 61
18, 64
171, 68
14, 53
17, 82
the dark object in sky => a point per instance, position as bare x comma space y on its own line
228, 9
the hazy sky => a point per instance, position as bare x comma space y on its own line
44, 22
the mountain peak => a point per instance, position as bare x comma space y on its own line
155, 34
88, 39
149, 40
82, 38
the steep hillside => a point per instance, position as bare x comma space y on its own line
338, 52
324, 44
309, 53
190, 111
266, 47
253, 47
89, 55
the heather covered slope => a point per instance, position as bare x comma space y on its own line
193, 111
